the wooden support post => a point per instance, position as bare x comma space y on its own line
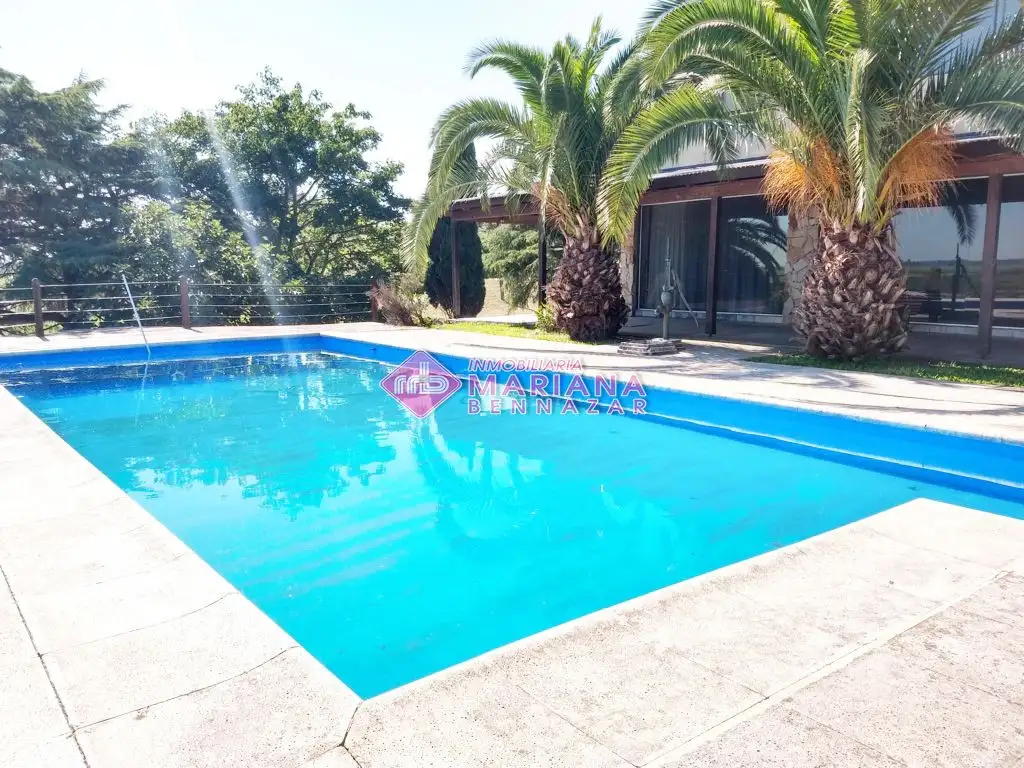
456, 272
374, 312
634, 299
37, 307
711, 311
186, 309
542, 264
993, 204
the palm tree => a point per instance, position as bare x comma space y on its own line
548, 154
859, 101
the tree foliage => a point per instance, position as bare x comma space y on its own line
161, 243
510, 254
284, 167
273, 184
438, 280
66, 173
549, 153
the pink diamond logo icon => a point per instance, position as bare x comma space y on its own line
421, 384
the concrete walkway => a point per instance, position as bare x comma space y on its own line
895, 641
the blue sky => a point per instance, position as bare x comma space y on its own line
402, 61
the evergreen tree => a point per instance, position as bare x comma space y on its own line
66, 175
438, 282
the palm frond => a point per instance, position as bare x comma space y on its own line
682, 118
524, 64
860, 99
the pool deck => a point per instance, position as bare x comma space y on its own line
895, 641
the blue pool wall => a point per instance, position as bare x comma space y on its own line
990, 467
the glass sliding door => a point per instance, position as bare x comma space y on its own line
940, 246
677, 232
1009, 305
751, 259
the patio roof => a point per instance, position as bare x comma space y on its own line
978, 155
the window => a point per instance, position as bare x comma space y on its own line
751, 257
1009, 306
940, 246
679, 233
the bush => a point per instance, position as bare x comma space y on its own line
438, 281
399, 305
545, 318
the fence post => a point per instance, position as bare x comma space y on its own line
186, 310
373, 300
37, 306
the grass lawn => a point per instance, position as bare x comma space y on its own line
964, 373
505, 329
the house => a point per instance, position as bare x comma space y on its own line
738, 261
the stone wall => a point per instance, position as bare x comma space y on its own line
804, 238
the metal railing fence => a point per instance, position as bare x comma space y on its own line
50, 308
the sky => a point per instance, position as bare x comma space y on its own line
401, 61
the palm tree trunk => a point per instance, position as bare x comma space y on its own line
851, 307
586, 290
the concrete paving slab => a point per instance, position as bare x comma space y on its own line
472, 718
286, 713
625, 683
1003, 600
69, 617
27, 503
72, 551
30, 714
15, 644
981, 652
913, 714
61, 752
953, 530
781, 738
758, 646
856, 583
121, 674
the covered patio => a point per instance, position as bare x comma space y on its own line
742, 265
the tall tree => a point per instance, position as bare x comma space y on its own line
284, 167
510, 254
65, 174
549, 154
438, 281
860, 102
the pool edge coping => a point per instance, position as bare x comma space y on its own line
653, 377
485, 660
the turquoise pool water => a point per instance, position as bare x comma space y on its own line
391, 548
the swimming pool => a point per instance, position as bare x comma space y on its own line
392, 547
